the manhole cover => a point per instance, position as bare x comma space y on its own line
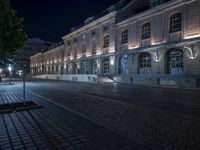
18, 106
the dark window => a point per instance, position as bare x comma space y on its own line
157, 2
145, 60
105, 66
83, 48
124, 37
75, 47
175, 61
94, 47
175, 22
105, 28
93, 33
146, 29
68, 48
106, 41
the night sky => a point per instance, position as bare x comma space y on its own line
52, 19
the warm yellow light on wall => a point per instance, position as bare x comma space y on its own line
99, 53
192, 36
71, 57
88, 55
156, 43
133, 47
111, 50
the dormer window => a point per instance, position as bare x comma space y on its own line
154, 3
93, 33
105, 28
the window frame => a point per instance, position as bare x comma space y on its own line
94, 46
175, 22
146, 30
106, 41
145, 60
124, 36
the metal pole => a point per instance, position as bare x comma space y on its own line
24, 96
9, 77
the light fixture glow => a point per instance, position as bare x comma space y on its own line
112, 62
191, 52
9, 68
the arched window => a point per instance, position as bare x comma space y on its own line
49, 71
175, 61
105, 66
75, 68
83, 68
57, 69
106, 41
175, 22
124, 64
94, 67
146, 28
52, 70
145, 60
124, 37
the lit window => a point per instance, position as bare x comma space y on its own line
145, 60
175, 22
146, 30
106, 41
124, 37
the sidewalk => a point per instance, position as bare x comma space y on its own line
52, 127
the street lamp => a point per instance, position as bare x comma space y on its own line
0, 73
10, 71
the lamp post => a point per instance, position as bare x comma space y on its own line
0, 74
10, 71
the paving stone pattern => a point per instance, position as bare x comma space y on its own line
54, 128
162, 118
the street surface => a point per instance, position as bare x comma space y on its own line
144, 117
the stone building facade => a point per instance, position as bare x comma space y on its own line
153, 42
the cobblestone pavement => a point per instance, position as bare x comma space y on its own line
53, 127
161, 118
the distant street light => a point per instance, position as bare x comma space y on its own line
10, 71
